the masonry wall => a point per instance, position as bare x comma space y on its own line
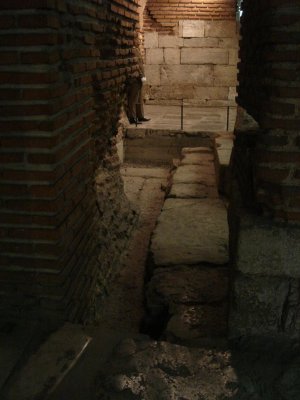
264, 204
269, 89
62, 74
197, 63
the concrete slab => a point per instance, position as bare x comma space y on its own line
190, 232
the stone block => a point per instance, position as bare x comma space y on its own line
220, 29
225, 75
204, 56
232, 93
169, 41
191, 28
192, 190
201, 42
229, 43
211, 93
150, 40
172, 56
233, 56
191, 231
183, 74
152, 73
154, 56
267, 249
172, 91
264, 306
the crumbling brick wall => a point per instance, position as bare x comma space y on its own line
63, 68
269, 90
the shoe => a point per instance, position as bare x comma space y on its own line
134, 121
143, 119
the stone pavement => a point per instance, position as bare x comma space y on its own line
187, 290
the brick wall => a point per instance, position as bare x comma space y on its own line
165, 14
269, 89
62, 74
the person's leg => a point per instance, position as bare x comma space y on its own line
140, 107
133, 96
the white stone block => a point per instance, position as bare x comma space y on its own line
225, 75
201, 42
220, 29
150, 40
233, 57
169, 41
191, 28
152, 73
228, 43
172, 56
154, 56
184, 74
204, 56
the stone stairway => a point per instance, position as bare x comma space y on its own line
187, 287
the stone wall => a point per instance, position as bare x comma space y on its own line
198, 63
63, 68
264, 206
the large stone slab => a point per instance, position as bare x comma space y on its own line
175, 286
169, 41
150, 40
154, 56
225, 75
220, 29
191, 28
195, 174
201, 42
192, 191
152, 73
197, 159
171, 56
204, 56
190, 232
196, 74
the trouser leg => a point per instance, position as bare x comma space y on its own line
133, 98
140, 105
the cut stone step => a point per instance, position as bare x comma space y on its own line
197, 159
192, 190
195, 174
191, 231
185, 285
47, 367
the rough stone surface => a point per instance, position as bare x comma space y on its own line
268, 249
220, 29
197, 159
191, 231
154, 56
146, 370
265, 306
192, 323
185, 285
